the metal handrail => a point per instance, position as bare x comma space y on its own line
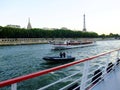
58, 81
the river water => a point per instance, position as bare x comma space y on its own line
25, 59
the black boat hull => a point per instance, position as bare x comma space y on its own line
59, 59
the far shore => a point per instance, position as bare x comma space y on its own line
28, 41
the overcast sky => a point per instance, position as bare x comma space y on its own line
102, 16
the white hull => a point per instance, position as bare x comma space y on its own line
61, 47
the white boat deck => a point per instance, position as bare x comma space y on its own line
111, 81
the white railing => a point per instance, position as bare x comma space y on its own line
94, 69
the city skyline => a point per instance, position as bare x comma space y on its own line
102, 16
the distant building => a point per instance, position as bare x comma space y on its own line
13, 26
84, 24
64, 28
29, 25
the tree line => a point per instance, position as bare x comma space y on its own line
8, 32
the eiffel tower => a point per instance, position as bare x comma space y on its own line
84, 25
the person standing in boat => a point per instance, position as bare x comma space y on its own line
61, 54
64, 54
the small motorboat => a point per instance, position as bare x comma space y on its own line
59, 59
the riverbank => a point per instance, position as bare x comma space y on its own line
27, 41
22, 41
